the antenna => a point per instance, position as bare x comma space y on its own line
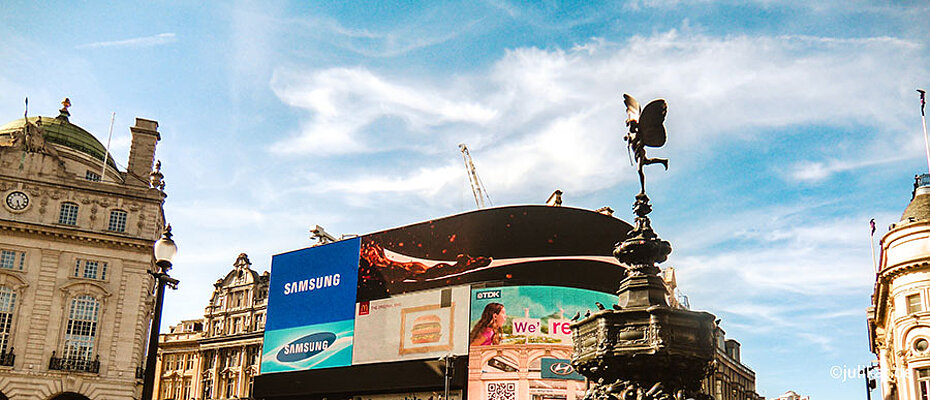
106, 154
476, 186
26, 113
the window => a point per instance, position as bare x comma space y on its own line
90, 269
207, 360
190, 361
231, 386
92, 176
923, 382
68, 214
117, 221
7, 304
207, 388
10, 259
913, 303
259, 321
187, 389
81, 331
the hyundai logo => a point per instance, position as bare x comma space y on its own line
306, 347
561, 368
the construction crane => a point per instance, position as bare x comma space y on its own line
476, 187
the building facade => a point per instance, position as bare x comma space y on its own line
731, 379
899, 318
217, 357
76, 242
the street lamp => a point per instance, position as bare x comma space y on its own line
165, 249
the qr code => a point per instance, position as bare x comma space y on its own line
502, 391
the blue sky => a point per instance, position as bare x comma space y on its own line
791, 123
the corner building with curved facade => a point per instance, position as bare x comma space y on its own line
76, 237
899, 318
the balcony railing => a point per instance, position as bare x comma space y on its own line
74, 364
7, 358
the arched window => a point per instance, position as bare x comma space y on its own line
81, 331
7, 304
68, 213
117, 221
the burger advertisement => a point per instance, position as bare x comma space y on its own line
425, 324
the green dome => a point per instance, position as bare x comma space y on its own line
63, 133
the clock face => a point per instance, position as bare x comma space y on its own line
17, 201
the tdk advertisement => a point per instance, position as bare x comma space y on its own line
311, 308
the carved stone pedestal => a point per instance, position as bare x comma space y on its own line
642, 348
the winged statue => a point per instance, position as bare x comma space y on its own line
647, 129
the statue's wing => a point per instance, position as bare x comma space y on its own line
651, 123
632, 108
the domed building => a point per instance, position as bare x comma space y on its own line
899, 319
76, 238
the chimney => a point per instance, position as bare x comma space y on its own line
142, 151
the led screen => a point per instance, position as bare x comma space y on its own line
311, 307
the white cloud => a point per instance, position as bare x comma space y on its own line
540, 119
145, 41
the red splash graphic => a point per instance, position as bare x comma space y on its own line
392, 271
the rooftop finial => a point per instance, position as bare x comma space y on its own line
63, 112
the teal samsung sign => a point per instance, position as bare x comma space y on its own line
311, 308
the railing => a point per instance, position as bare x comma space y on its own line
74, 364
7, 358
921, 180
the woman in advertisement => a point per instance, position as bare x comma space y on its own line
488, 329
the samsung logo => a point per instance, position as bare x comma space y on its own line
490, 294
306, 347
561, 368
307, 285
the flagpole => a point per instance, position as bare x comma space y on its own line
923, 120
872, 244
106, 156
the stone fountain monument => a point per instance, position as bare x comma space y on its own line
643, 349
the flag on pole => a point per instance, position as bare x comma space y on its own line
923, 100
872, 224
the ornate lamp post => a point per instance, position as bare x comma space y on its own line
165, 249
643, 349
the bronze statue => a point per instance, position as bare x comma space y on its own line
646, 129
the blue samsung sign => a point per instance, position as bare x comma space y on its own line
313, 285
311, 308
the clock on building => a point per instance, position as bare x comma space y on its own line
17, 201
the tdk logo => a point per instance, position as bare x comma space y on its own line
489, 294
306, 347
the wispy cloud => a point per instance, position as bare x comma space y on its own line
145, 41
546, 118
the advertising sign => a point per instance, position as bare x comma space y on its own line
311, 308
530, 314
520, 244
426, 324
507, 320
558, 368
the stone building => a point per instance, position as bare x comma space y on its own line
731, 380
76, 238
899, 318
217, 357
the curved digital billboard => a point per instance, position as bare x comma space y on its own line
418, 292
